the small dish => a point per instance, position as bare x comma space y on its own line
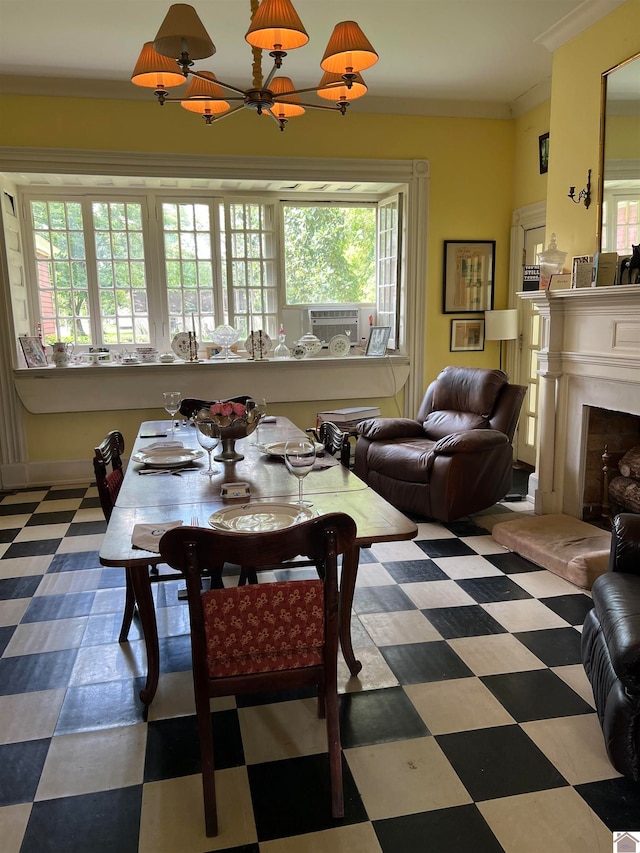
339, 346
259, 517
167, 358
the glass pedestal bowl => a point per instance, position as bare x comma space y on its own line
225, 337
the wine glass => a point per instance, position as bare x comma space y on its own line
208, 436
299, 457
171, 405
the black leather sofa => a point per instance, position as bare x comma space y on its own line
611, 647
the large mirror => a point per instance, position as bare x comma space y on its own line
620, 166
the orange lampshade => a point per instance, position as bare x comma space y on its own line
155, 71
341, 93
290, 106
276, 26
183, 31
206, 96
348, 50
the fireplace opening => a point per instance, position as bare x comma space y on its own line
618, 432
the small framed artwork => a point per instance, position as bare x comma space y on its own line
467, 335
543, 153
468, 276
378, 340
33, 353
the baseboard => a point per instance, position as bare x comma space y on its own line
24, 475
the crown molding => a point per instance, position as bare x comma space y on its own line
576, 22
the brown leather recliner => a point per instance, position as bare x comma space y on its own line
456, 457
611, 647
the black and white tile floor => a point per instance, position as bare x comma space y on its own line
471, 727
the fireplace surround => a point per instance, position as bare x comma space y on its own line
589, 357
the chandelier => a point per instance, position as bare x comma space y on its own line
168, 60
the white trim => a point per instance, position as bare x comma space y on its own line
576, 22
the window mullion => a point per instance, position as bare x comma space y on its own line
92, 272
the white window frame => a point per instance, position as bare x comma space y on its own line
109, 165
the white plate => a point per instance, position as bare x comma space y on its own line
259, 346
180, 345
276, 448
259, 518
339, 346
167, 457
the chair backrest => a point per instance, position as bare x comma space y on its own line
242, 608
463, 398
335, 441
107, 464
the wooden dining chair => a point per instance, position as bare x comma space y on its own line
266, 636
335, 441
107, 465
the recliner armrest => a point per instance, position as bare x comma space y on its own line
625, 543
383, 429
469, 441
616, 599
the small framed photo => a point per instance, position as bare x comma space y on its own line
378, 340
468, 276
543, 153
467, 335
33, 352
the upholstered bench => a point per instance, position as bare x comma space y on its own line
566, 546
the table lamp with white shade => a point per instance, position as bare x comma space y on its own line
501, 326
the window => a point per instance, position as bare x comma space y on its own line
620, 221
137, 269
345, 238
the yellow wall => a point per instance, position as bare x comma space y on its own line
529, 186
480, 170
623, 138
470, 193
575, 122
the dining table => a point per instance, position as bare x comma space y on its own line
182, 494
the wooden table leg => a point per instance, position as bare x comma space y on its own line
147, 612
350, 562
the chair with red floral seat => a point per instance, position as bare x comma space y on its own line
267, 636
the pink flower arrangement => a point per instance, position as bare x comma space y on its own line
225, 412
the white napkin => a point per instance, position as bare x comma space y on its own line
163, 445
147, 536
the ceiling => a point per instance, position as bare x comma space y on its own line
438, 57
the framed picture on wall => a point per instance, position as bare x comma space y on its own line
467, 335
543, 153
468, 276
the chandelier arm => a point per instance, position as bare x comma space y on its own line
339, 107
229, 86
178, 100
337, 85
230, 112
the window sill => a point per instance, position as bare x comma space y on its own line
75, 389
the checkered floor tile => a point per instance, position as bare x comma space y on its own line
470, 727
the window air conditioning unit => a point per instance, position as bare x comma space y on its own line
327, 322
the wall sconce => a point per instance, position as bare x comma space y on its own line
583, 195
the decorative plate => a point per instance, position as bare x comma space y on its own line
276, 448
259, 345
259, 518
180, 345
167, 457
339, 346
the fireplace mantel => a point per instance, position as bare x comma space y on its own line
589, 356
